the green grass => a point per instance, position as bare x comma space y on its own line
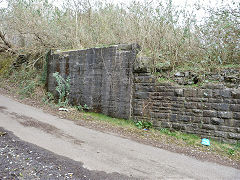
113, 121
161, 135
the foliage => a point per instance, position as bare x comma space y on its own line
234, 149
28, 88
168, 132
62, 88
172, 36
79, 108
84, 107
25, 80
5, 64
144, 124
48, 98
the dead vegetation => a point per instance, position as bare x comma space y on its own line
171, 36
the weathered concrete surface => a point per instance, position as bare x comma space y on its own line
101, 151
101, 78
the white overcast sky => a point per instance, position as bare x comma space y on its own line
3, 3
186, 3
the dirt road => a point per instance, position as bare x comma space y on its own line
103, 151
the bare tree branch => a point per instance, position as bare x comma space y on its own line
6, 46
2, 36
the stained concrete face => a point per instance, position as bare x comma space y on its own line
101, 78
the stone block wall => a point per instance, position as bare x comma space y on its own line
109, 81
101, 78
211, 111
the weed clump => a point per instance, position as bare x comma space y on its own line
62, 88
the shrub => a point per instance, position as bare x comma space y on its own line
144, 124
62, 88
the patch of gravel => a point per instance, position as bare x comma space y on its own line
22, 160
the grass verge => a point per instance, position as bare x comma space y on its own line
163, 135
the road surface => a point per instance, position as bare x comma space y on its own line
103, 151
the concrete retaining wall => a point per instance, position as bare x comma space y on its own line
105, 80
101, 78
